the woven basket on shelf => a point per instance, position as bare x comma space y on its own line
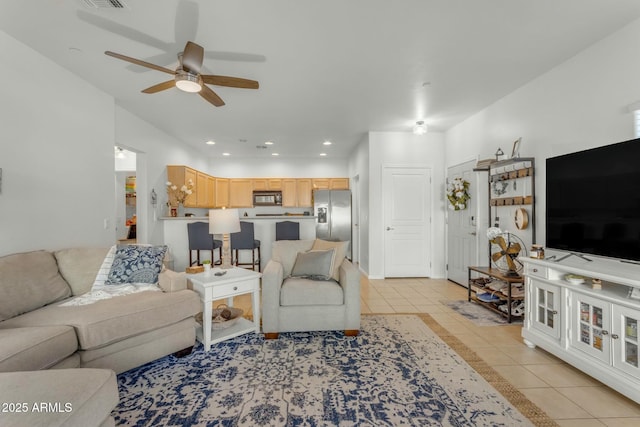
224, 316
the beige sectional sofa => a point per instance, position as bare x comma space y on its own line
37, 332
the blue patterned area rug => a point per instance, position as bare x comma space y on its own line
397, 371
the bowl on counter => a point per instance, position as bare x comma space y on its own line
574, 279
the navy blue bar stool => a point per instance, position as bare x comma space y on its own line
245, 240
201, 240
287, 230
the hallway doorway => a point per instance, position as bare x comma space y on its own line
126, 196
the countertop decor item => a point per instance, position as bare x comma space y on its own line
574, 279
177, 196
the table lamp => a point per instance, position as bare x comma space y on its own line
224, 221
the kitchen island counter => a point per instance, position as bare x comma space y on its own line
242, 218
175, 235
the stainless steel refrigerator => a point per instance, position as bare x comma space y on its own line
332, 209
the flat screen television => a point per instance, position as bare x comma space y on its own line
593, 201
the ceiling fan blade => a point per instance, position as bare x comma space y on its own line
230, 82
139, 62
160, 86
163, 59
211, 96
192, 57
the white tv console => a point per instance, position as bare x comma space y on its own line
595, 330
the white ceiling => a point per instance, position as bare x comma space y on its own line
332, 69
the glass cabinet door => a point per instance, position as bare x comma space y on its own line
625, 340
544, 310
590, 328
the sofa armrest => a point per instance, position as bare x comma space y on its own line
272, 277
172, 281
350, 282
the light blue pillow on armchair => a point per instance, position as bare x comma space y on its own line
315, 265
136, 264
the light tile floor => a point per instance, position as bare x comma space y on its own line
567, 395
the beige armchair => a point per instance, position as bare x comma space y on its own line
291, 304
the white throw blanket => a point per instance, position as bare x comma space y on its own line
100, 291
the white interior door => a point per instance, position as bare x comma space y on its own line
407, 222
462, 227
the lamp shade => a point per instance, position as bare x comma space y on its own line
224, 221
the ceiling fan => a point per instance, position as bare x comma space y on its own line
187, 76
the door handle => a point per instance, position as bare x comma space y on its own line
389, 228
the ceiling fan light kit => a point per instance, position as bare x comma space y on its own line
188, 82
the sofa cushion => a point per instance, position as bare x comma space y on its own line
297, 291
79, 267
84, 397
286, 251
29, 349
314, 265
136, 264
28, 281
339, 255
110, 320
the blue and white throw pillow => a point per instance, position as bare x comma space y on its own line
136, 264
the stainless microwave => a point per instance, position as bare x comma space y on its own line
267, 198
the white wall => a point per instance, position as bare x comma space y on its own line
56, 153
397, 149
154, 151
57, 156
359, 166
578, 105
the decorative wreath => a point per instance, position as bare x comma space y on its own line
458, 194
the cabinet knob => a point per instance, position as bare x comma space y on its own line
615, 336
604, 332
235, 288
554, 312
535, 270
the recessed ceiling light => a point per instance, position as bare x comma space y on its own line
210, 142
323, 154
226, 154
327, 143
275, 154
268, 143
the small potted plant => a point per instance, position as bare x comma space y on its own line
207, 265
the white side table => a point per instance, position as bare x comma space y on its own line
236, 281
